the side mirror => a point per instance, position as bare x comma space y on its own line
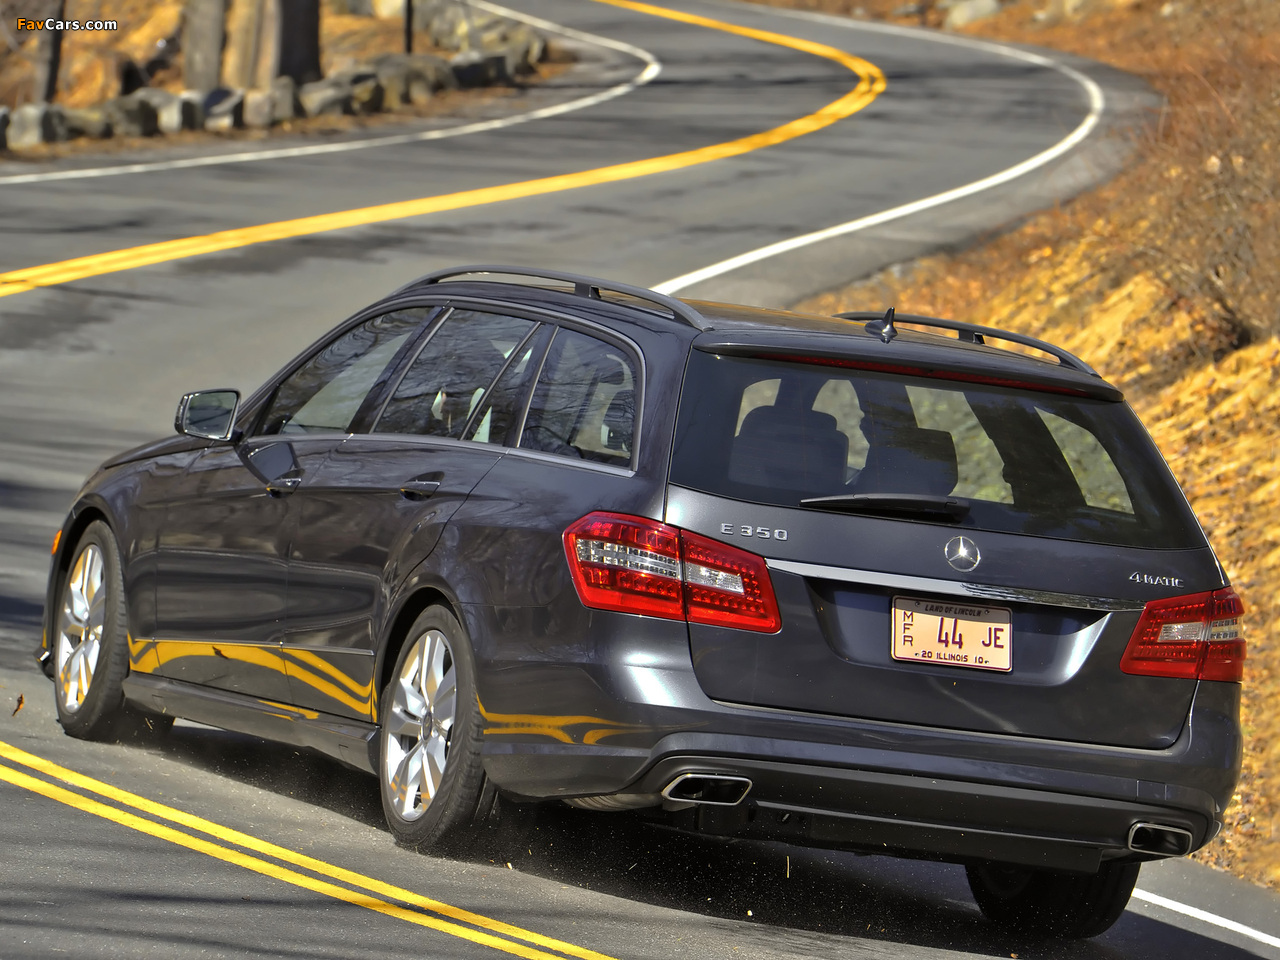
209, 414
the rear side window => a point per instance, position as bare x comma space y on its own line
584, 405
1037, 463
443, 386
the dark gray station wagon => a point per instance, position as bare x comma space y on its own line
821, 580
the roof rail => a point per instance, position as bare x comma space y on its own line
583, 286
973, 333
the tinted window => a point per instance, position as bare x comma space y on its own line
585, 402
324, 394
442, 388
1028, 462
498, 411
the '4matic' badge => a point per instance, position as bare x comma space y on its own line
1156, 581
962, 553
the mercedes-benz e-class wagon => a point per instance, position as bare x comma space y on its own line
906, 585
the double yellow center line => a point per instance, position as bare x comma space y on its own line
242, 850
871, 83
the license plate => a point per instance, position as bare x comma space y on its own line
952, 634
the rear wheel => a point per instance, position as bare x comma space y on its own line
1045, 903
429, 769
91, 645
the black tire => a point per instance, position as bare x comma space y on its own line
91, 645
429, 804
1048, 904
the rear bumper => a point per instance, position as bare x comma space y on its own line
625, 715
909, 791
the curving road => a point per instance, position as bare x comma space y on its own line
718, 149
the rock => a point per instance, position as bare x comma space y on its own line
908, 10
437, 70
366, 93
410, 78
329, 96
965, 12
224, 110
476, 68
457, 27
87, 122
132, 116
259, 109
4, 128
284, 99
36, 123
191, 109
525, 49
169, 107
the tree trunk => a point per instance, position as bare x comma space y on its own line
203, 34
299, 35
49, 56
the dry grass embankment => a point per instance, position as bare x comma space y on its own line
1166, 280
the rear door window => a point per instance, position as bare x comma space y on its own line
779, 432
441, 391
584, 405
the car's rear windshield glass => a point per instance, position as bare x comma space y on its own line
1045, 464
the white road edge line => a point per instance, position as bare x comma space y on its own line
652, 68
1205, 916
1097, 103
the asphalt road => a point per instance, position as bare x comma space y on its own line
115, 866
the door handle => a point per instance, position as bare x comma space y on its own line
418, 489
283, 486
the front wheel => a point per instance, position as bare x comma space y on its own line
91, 645
1046, 903
429, 768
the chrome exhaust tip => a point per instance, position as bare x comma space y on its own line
711, 789
1160, 839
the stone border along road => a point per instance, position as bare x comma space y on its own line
651, 70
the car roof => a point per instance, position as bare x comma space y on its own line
871, 339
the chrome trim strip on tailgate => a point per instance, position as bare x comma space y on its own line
957, 588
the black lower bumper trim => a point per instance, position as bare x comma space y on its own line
903, 814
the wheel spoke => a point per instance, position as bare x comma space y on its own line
405, 785
410, 699
433, 768
434, 666
400, 723
445, 706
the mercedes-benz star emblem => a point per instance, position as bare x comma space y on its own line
962, 553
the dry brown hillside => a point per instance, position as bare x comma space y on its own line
1167, 281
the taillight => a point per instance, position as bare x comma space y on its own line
636, 565
1196, 637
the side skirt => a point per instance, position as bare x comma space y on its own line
348, 741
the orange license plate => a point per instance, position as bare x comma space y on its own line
952, 634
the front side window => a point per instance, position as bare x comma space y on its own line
441, 390
585, 403
325, 393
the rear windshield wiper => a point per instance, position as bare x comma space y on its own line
953, 509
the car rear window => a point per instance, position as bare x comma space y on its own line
1045, 464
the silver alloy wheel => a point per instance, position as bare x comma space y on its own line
80, 625
419, 724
